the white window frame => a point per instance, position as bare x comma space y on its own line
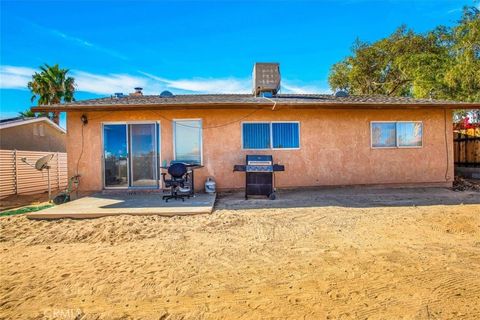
201, 136
396, 134
271, 134
409, 147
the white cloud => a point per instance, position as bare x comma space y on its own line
301, 88
75, 40
205, 85
454, 10
14, 77
109, 83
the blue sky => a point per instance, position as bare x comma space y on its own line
194, 46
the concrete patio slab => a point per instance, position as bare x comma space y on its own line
102, 205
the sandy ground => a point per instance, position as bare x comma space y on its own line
322, 261
17, 201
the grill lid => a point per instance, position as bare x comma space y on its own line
259, 160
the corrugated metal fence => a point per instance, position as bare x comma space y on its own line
17, 177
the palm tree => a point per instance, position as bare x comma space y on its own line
27, 114
52, 86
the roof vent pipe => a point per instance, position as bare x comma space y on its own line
138, 91
341, 94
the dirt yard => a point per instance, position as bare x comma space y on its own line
16, 201
342, 255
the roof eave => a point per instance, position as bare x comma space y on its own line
30, 121
231, 105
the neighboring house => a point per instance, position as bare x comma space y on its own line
322, 139
32, 134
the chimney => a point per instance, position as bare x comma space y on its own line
266, 79
138, 92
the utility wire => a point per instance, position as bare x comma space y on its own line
446, 144
209, 127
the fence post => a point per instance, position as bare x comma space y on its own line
58, 173
15, 171
466, 148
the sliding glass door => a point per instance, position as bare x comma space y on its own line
130, 155
115, 155
143, 155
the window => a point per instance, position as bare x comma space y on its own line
409, 134
401, 134
256, 135
41, 130
271, 135
187, 141
285, 135
384, 135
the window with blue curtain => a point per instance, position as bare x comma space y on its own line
285, 135
256, 135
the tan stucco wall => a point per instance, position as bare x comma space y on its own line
22, 137
334, 147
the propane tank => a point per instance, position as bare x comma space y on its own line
210, 185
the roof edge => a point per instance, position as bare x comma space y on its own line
29, 121
242, 105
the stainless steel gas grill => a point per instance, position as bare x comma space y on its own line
259, 178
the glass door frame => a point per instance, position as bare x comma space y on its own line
158, 147
103, 155
130, 154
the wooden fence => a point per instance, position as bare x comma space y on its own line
17, 177
466, 146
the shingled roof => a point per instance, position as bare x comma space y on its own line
219, 101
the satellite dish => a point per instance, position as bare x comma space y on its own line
341, 94
166, 94
42, 163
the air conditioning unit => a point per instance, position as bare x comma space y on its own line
266, 78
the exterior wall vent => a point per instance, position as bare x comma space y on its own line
266, 78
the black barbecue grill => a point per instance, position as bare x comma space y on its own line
259, 178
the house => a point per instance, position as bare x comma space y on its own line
32, 134
322, 139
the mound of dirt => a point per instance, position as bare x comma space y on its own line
460, 184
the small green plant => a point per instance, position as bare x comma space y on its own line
25, 210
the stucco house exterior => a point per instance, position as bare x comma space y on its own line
321, 139
32, 134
